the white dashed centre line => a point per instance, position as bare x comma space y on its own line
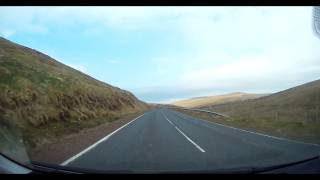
190, 140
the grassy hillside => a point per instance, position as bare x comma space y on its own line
292, 113
47, 99
213, 100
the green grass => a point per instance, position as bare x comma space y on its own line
308, 132
47, 133
55, 130
292, 113
47, 99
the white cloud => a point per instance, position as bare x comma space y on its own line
79, 67
171, 100
249, 46
6, 33
246, 49
22, 19
225, 47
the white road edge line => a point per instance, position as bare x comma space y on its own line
269, 136
98, 142
190, 140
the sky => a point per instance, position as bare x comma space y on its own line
164, 54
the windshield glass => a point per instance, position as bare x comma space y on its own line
159, 88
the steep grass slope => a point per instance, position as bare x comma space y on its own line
47, 99
294, 112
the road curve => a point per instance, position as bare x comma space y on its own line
166, 140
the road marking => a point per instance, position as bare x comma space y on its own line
98, 142
269, 136
170, 122
190, 140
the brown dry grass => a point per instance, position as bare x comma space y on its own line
47, 99
213, 100
292, 113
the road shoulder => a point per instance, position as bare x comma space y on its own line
68, 146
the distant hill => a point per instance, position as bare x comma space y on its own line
44, 97
297, 104
213, 100
294, 112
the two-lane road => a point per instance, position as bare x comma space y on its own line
166, 140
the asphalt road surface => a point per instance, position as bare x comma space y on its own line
166, 140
